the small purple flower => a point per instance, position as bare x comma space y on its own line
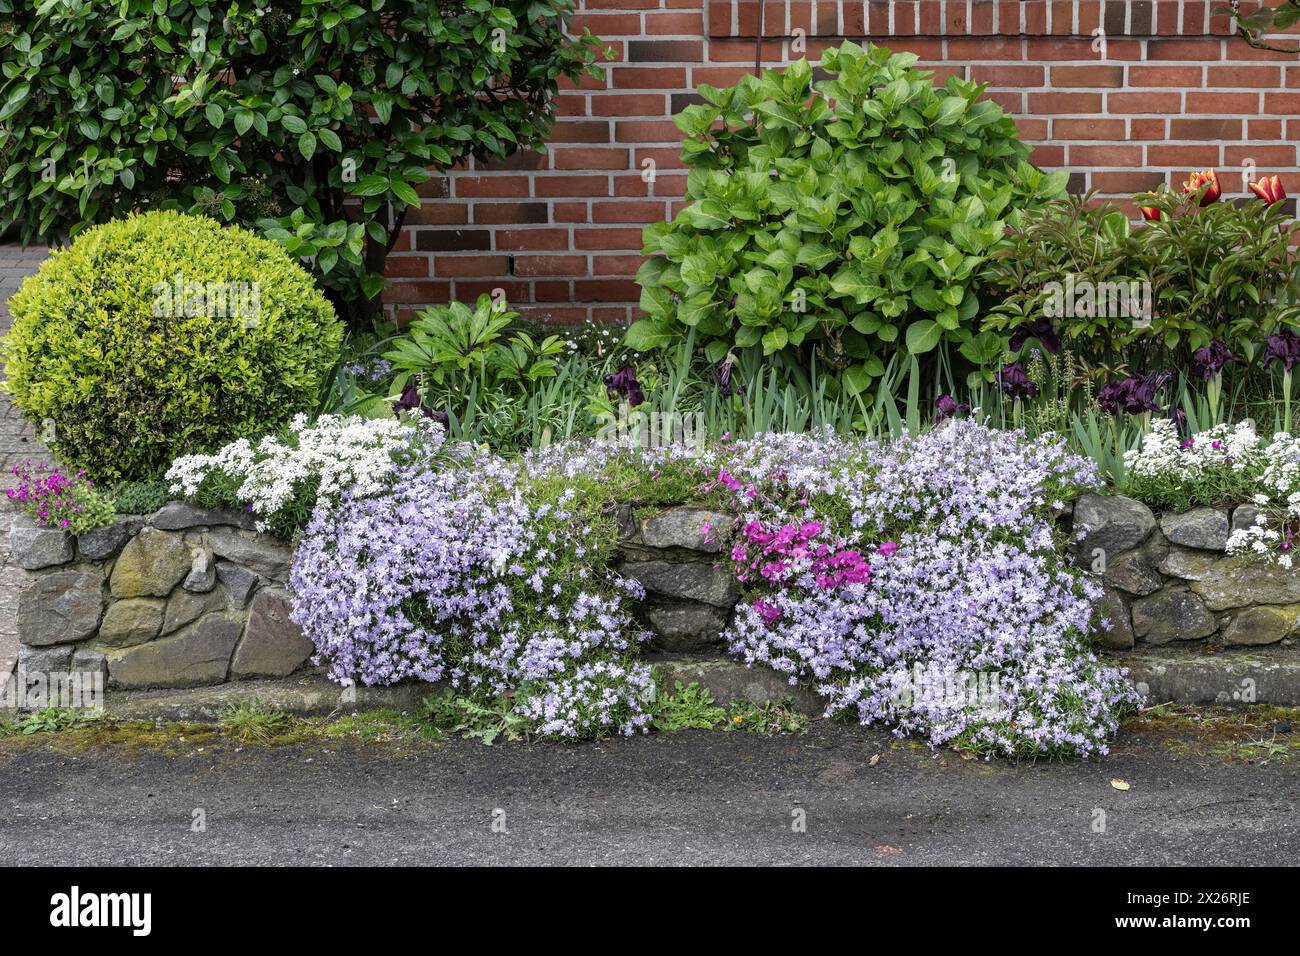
1283, 347
722, 375
946, 406
1015, 382
1210, 360
623, 384
410, 400
1040, 329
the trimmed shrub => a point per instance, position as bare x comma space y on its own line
165, 334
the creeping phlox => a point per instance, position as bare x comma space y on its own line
866, 564
491, 575
324, 458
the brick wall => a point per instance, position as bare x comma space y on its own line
560, 231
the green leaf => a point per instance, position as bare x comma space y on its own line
923, 336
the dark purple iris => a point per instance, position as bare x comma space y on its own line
624, 385
1015, 383
1210, 360
1283, 347
1040, 329
1134, 395
722, 375
410, 400
1179, 418
946, 406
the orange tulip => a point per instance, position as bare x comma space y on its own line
1150, 213
1268, 189
1206, 177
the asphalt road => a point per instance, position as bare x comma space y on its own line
695, 797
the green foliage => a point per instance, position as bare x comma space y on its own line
1225, 271
251, 723
839, 219
491, 387
139, 497
316, 121
689, 706
469, 716
772, 717
130, 375
47, 721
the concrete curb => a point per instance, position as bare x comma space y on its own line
1231, 677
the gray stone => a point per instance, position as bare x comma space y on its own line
1204, 528
178, 515
684, 625
203, 571
1113, 608
1256, 626
1243, 517
1172, 615
1188, 564
1184, 675
131, 621
710, 583
89, 660
57, 657
198, 655
151, 564
1135, 572
730, 681
60, 607
684, 528
1244, 579
1111, 524
239, 582
184, 607
105, 542
262, 553
273, 646
34, 548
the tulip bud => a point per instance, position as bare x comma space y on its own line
1207, 178
1150, 213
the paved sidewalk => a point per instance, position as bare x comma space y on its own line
696, 797
17, 441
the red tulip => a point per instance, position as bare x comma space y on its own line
1150, 213
1268, 189
1206, 177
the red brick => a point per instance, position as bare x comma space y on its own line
685, 23
438, 213
1088, 129
1285, 103
1126, 181
1087, 76
1065, 102
592, 238
1109, 155
455, 267
648, 77
1008, 74
571, 212
592, 158
628, 104
498, 186
606, 290
627, 211
1276, 156
1249, 77
615, 265
1185, 156
565, 186
581, 131
1190, 50
1182, 76
467, 290
1219, 101
521, 240
407, 267
550, 265
1205, 129
1145, 102
647, 131
510, 213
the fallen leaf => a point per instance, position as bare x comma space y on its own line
1119, 784
888, 850
875, 759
